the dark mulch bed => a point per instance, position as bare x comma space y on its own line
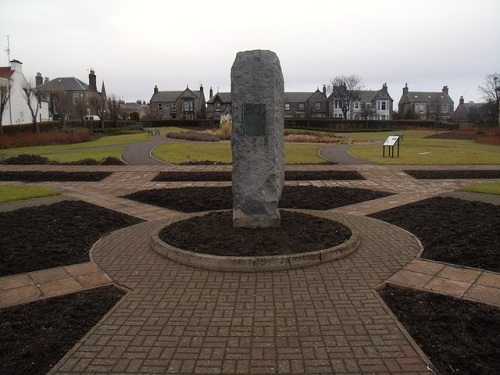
289, 175
453, 174
459, 337
55, 235
452, 230
298, 233
37, 335
197, 199
39, 176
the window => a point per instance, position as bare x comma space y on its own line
302, 107
76, 98
174, 107
317, 106
356, 105
337, 104
287, 106
160, 106
382, 105
188, 106
217, 107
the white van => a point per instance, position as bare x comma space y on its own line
92, 117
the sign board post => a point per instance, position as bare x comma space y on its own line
391, 142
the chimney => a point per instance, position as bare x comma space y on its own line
16, 65
46, 79
211, 92
405, 89
462, 100
445, 90
92, 80
38, 79
324, 90
384, 86
201, 87
156, 89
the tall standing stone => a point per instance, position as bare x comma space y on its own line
257, 140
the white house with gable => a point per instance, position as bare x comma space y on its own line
17, 111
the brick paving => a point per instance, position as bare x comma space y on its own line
182, 320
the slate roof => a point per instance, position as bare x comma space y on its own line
224, 97
172, 96
297, 97
65, 84
424, 96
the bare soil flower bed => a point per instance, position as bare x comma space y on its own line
37, 335
216, 235
459, 336
55, 235
452, 230
40, 176
453, 174
289, 176
197, 199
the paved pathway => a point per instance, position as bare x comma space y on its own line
140, 153
181, 320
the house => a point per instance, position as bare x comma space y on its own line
296, 104
218, 104
187, 104
426, 105
473, 112
129, 109
370, 105
16, 89
71, 98
306, 104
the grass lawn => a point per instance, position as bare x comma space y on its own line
484, 188
415, 149
191, 152
16, 192
98, 149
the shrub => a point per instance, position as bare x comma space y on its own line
45, 138
194, 136
110, 160
26, 159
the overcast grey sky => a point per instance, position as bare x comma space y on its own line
135, 45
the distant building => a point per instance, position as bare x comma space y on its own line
370, 105
426, 105
296, 104
71, 98
187, 104
218, 104
139, 107
17, 111
306, 104
472, 111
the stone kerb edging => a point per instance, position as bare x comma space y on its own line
254, 264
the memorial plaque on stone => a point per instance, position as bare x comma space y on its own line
257, 140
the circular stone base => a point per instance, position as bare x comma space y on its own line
255, 263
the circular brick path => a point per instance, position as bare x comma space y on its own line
182, 320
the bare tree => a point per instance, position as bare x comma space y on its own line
81, 108
33, 100
59, 103
4, 98
97, 106
153, 113
491, 92
114, 106
345, 90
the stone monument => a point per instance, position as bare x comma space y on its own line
257, 139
